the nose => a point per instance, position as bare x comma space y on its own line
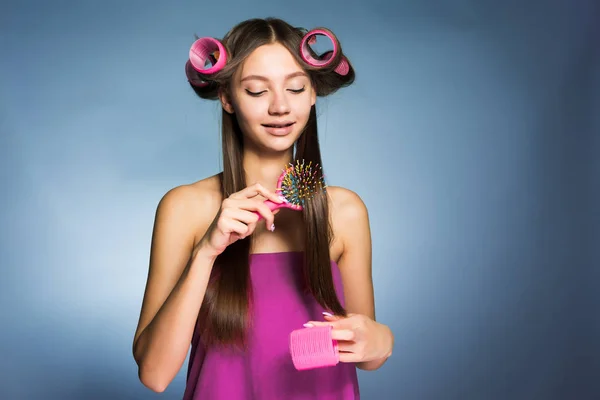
279, 104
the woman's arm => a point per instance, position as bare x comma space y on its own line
351, 224
177, 280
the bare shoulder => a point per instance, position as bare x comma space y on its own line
203, 191
194, 202
349, 221
346, 206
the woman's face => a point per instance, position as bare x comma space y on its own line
271, 96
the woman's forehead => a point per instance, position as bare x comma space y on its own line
270, 62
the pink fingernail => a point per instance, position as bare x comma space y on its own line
328, 314
308, 325
272, 227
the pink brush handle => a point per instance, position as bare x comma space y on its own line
275, 206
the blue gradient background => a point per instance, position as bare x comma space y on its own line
472, 134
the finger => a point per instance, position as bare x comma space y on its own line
345, 346
335, 322
262, 209
233, 226
336, 333
233, 217
330, 317
256, 189
349, 357
267, 214
240, 214
250, 218
342, 334
311, 324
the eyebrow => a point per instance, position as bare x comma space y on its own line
262, 78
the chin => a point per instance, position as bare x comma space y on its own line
280, 144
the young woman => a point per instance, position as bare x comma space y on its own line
234, 286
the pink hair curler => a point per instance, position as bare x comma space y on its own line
203, 50
295, 185
327, 58
313, 348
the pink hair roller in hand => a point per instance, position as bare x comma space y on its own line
202, 50
327, 58
313, 348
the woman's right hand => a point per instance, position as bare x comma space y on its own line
237, 218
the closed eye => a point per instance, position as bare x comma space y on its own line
255, 94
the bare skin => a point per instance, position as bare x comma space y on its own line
194, 224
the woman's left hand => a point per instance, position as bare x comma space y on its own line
360, 338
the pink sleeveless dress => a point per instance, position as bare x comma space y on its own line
265, 370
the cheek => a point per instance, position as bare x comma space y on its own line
302, 106
252, 112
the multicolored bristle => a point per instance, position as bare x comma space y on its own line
301, 182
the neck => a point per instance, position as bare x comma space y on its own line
265, 168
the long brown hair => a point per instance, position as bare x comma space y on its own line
224, 315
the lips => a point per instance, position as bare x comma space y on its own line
279, 125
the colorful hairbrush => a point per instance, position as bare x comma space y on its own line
297, 184
327, 58
203, 50
313, 348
